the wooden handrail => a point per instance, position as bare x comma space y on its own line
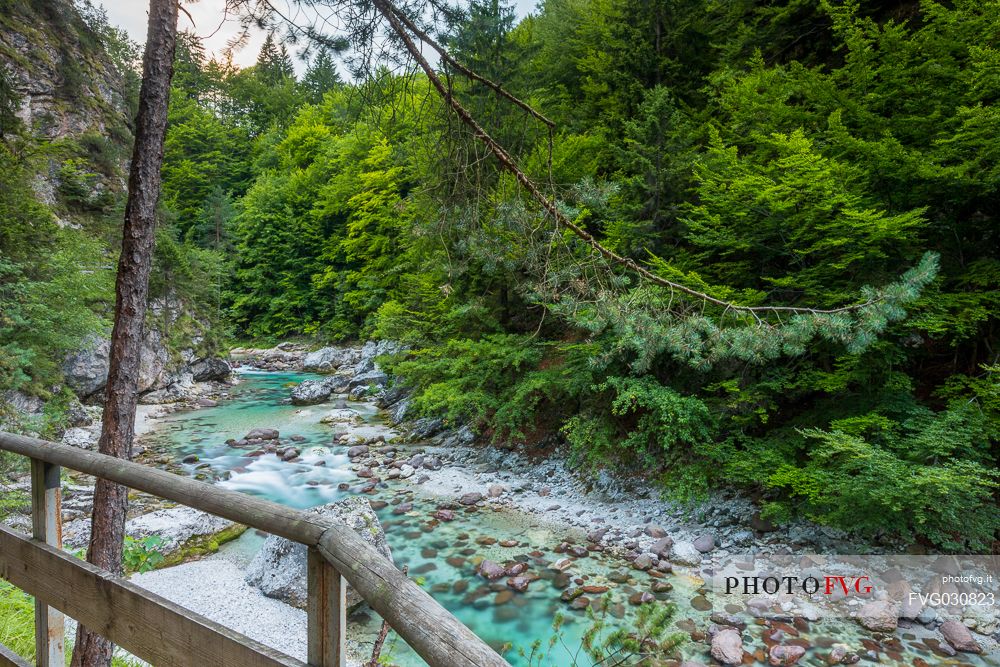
433, 632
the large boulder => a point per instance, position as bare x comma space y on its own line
370, 382
327, 359
212, 368
311, 392
373, 349
181, 529
279, 569
86, 370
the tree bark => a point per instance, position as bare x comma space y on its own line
131, 295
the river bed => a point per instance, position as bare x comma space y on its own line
442, 556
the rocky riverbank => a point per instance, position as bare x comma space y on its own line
625, 517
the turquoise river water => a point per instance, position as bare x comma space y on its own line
442, 556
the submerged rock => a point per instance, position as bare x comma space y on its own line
279, 569
956, 634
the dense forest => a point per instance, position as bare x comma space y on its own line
803, 153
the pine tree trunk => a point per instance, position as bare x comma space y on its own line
131, 294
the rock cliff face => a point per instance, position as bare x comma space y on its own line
72, 97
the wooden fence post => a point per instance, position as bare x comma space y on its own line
46, 526
327, 612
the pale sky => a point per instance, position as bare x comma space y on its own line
212, 25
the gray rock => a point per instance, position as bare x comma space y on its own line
399, 410
279, 569
326, 359
211, 368
176, 526
341, 416
470, 498
86, 370
84, 438
727, 647
262, 434
685, 553
704, 543
370, 382
373, 349
311, 392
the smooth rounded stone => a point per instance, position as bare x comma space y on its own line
579, 603
190, 458
495, 491
279, 568
578, 551
262, 434
470, 498
455, 561
782, 655
365, 473
661, 587
641, 598
879, 616
444, 515
298, 438
486, 540
509, 543
206, 403
378, 504
503, 597
959, 637
425, 568
643, 562
685, 553
406, 471
357, 450
704, 543
432, 463
701, 603
393, 474
519, 584
491, 570
560, 580
290, 454
728, 620
727, 647
506, 614
655, 531
594, 589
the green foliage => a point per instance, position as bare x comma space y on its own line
142, 555
648, 639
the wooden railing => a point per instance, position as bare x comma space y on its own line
163, 633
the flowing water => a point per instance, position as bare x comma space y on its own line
442, 556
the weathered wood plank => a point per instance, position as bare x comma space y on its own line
145, 624
327, 613
436, 635
10, 659
46, 527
